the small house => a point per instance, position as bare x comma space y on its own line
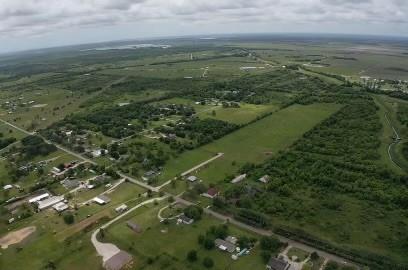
277, 264
185, 220
211, 193
121, 208
265, 179
60, 207
7, 187
224, 245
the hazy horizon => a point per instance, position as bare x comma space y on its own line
30, 24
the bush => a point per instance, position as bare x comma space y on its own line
208, 262
192, 256
69, 218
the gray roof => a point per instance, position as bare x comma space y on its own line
277, 264
230, 247
118, 261
69, 184
134, 226
104, 198
185, 218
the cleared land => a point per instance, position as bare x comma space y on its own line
253, 143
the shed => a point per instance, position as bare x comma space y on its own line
192, 178
135, 227
121, 208
238, 179
101, 199
265, 179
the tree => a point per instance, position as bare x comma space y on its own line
270, 243
193, 212
314, 256
69, 218
192, 256
208, 262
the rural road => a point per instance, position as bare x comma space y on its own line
395, 141
49, 142
270, 233
157, 189
107, 250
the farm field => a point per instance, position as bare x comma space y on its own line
257, 142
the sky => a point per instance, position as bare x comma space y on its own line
31, 24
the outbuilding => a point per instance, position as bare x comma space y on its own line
101, 199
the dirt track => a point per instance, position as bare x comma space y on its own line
16, 237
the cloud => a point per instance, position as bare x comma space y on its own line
34, 17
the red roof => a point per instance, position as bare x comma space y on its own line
212, 192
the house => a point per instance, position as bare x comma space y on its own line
60, 207
99, 152
148, 175
239, 178
211, 193
185, 220
224, 245
39, 198
134, 227
118, 261
101, 199
70, 184
277, 264
231, 239
192, 178
264, 179
121, 208
7, 187
49, 202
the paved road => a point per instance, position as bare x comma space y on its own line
107, 250
270, 233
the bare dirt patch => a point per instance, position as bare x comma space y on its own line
16, 236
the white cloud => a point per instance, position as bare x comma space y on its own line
34, 17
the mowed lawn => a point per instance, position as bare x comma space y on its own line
168, 245
253, 143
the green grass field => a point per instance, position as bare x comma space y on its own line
168, 245
253, 143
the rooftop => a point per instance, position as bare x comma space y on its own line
277, 264
118, 261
